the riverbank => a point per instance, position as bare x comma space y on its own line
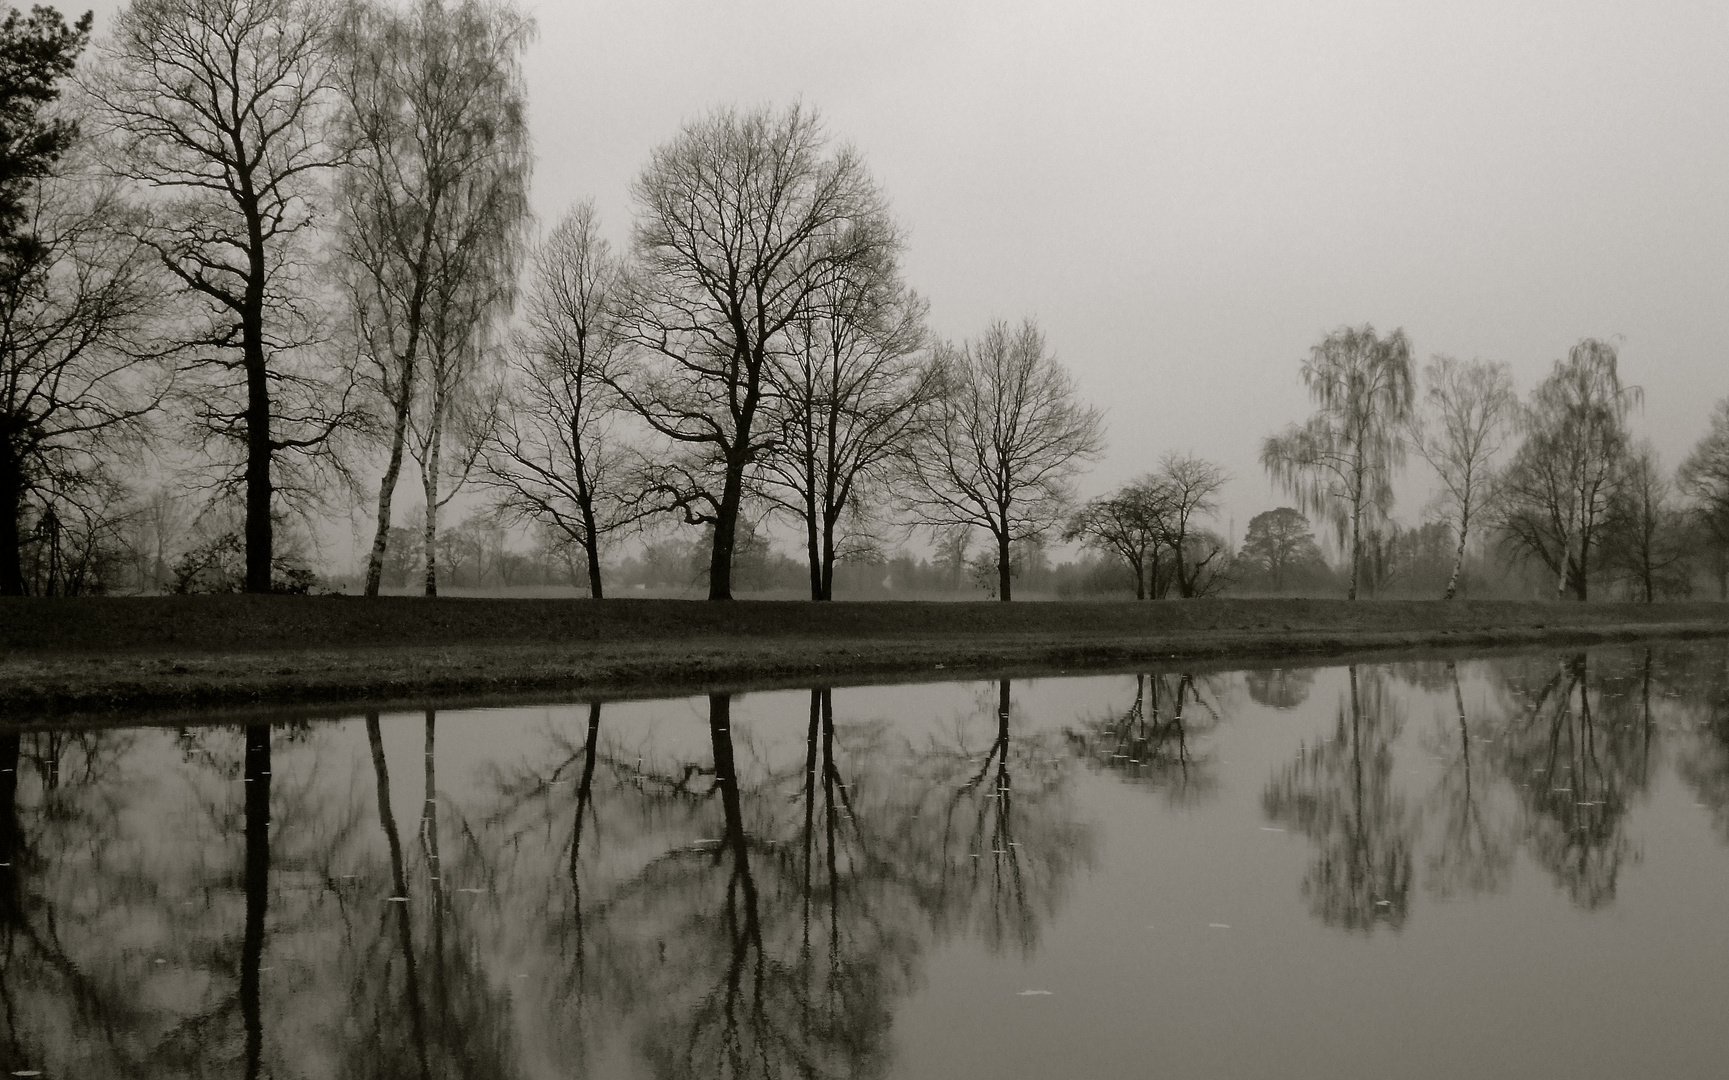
62, 658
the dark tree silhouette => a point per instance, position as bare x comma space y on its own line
215, 110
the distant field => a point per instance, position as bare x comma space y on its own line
106, 653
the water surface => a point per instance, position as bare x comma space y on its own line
1513, 866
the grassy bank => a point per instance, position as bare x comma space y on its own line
101, 654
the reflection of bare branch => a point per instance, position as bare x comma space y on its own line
1340, 795
1474, 856
1574, 770
1150, 744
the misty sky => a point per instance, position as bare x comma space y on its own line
1188, 196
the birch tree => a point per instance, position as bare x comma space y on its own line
1471, 413
1006, 438
430, 203
1341, 461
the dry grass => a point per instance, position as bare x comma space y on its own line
92, 655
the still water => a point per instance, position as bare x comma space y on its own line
1506, 867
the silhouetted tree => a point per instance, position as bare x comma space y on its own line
1341, 462
1130, 524
216, 111
1193, 486
555, 456
1006, 437
1557, 490
851, 391
74, 300
1646, 537
1279, 545
1704, 479
741, 220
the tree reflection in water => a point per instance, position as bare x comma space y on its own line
1279, 688
1473, 853
1151, 742
1576, 763
263, 901
755, 915
1340, 795
415, 974
1705, 707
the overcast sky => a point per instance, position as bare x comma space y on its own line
1189, 195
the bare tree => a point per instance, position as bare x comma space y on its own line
1192, 485
1129, 524
434, 192
1704, 479
1473, 410
1558, 488
76, 302
555, 456
851, 391
1646, 534
1341, 462
1005, 439
742, 218
455, 415
215, 108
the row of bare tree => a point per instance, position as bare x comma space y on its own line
758, 347
294, 228
278, 245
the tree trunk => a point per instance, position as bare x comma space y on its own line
429, 487
1003, 574
260, 531
1356, 547
725, 532
1140, 579
828, 557
1566, 566
1458, 558
260, 537
11, 509
387, 491
591, 546
585, 502
813, 550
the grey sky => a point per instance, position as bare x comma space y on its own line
1190, 195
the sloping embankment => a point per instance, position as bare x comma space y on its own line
104, 654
